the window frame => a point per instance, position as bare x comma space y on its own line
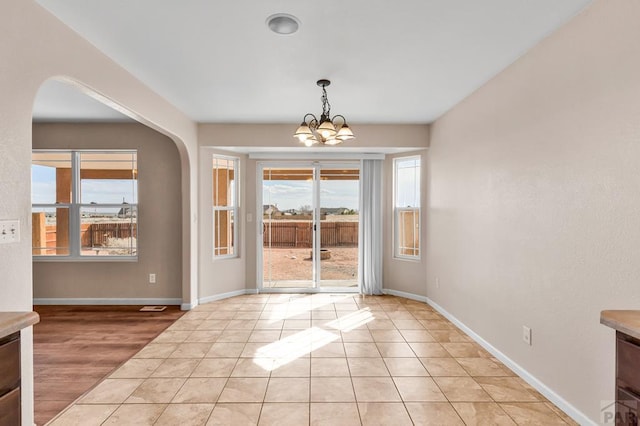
76, 206
397, 210
233, 209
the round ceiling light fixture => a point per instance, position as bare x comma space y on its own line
283, 23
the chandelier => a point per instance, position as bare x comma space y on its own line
327, 130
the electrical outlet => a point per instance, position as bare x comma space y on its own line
437, 282
152, 278
9, 231
249, 217
526, 335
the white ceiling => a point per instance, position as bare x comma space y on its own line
407, 61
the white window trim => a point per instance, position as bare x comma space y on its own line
74, 207
235, 209
397, 210
396, 247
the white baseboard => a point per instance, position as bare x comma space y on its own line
104, 301
188, 306
572, 411
405, 295
221, 296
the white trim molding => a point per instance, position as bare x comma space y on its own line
405, 295
105, 301
308, 290
310, 155
571, 411
221, 296
188, 306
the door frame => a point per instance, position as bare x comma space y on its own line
316, 270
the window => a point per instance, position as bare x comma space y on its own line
406, 176
84, 204
225, 206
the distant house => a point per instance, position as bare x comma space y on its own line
270, 210
334, 211
126, 211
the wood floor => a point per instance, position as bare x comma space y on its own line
75, 347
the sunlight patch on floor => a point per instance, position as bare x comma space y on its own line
303, 305
277, 354
352, 321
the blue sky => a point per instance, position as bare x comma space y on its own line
291, 194
408, 183
286, 194
43, 188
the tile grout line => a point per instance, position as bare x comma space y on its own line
386, 308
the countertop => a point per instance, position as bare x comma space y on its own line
627, 322
10, 322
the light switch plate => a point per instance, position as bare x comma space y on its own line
526, 335
9, 231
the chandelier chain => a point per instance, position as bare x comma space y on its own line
326, 106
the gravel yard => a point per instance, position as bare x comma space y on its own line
295, 264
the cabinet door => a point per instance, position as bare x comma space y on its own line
626, 416
9, 364
10, 408
627, 405
628, 364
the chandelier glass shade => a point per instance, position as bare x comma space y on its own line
325, 130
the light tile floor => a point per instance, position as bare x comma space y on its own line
322, 359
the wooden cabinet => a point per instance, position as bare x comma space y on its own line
10, 380
627, 379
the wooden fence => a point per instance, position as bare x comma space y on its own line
286, 233
94, 234
300, 234
97, 234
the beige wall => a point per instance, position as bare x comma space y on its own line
411, 137
35, 46
220, 277
534, 201
281, 136
402, 275
159, 218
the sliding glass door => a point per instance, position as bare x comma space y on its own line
287, 227
339, 193
309, 226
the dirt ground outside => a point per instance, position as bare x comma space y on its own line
295, 264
